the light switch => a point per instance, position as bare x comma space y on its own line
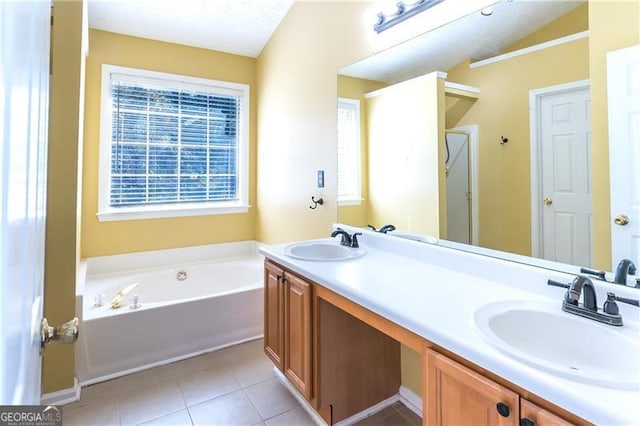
320, 178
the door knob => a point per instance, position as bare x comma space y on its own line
621, 220
547, 201
67, 332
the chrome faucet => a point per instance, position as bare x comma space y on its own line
582, 285
347, 240
387, 228
625, 267
383, 229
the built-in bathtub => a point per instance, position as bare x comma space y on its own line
218, 303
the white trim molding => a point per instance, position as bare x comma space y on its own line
411, 400
474, 162
535, 99
63, 396
530, 49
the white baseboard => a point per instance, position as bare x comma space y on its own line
62, 397
293, 391
112, 376
369, 411
411, 400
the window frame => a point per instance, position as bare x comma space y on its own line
355, 198
182, 209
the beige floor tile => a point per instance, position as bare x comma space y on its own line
395, 419
142, 404
179, 418
100, 392
395, 415
253, 371
208, 384
133, 382
296, 417
232, 409
271, 398
240, 353
102, 413
413, 418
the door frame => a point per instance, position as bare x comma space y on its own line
535, 104
472, 131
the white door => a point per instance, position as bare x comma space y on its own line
566, 198
623, 85
457, 171
24, 103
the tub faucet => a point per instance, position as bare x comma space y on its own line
117, 300
625, 267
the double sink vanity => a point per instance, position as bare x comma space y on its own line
495, 345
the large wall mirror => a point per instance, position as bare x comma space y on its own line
480, 133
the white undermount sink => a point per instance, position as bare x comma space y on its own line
322, 250
542, 335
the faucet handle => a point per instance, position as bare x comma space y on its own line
610, 306
557, 284
599, 274
634, 302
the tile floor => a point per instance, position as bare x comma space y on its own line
233, 386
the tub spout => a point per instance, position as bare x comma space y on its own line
116, 302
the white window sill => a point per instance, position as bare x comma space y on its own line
178, 211
350, 202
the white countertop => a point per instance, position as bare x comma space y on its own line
434, 292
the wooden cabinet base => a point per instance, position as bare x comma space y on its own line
358, 365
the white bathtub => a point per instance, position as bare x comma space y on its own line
220, 303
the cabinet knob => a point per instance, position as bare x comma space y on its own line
503, 409
527, 422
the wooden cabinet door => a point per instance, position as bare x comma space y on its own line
274, 313
297, 330
538, 416
460, 396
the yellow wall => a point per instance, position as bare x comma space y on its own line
104, 238
61, 248
404, 181
503, 110
355, 88
572, 22
297, 84
613, 25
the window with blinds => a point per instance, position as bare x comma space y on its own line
349, 186
172, 144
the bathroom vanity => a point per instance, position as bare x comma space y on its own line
334, 329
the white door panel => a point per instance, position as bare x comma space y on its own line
458, 206
565, 146
24, 103
623, 85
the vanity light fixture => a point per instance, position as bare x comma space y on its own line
404, 11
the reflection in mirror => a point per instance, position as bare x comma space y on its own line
479, 133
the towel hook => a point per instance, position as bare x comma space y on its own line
316, 202
503, 140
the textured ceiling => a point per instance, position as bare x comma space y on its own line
473, 36
242, 27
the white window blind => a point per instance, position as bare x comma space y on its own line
172, 145
349, 185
